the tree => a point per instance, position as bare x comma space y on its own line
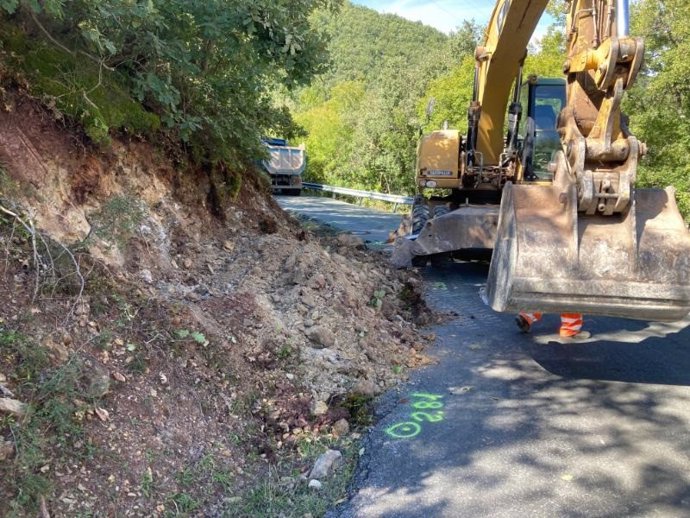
207, 67
659, 103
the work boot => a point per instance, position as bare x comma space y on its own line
523, 324
571, 324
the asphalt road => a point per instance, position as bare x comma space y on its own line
513, 425
372, 226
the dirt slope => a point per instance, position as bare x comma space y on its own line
173, 343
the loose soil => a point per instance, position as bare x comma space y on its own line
177, 347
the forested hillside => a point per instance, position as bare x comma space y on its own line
364, 115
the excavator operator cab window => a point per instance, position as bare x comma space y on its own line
543, 100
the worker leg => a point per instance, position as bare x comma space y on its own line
571, 324
525, 319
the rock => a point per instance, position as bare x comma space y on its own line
318, 281
119, 377
229, 246
146, 276
350, 241
98, 381
58, 352
321, 336
402, 253
308, 322
102, 414
365, 388
6, 450
341, 427
319, 408
315, 484
325, 463
4, 391
192, 296
3, 378
12, 406
308, 300
82, 309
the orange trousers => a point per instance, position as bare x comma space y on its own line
571, 323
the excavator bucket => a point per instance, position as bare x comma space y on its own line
469, 229
550, 257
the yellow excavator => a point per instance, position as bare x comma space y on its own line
553, 194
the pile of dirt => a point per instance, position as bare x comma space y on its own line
168, 356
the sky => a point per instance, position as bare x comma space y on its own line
445, 15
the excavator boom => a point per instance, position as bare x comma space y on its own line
498, 62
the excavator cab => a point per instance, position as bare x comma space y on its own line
543, 99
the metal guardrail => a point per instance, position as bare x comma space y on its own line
391, 198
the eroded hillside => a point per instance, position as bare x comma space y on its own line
174, 348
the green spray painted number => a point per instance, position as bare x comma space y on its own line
413, 427
426, 395
404, 430
430, 418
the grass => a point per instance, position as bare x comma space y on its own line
281, 493
56, 397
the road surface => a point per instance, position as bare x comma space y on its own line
513, 425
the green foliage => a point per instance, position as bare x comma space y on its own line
362, 116
206, 69
96, 97
547, 60
451, 95
362, 42
198, 337
659, 103
330, 126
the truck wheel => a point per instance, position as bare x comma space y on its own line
420, 215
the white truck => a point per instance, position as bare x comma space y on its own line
285, 165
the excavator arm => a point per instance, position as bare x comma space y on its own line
498, 62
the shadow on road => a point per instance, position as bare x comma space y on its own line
533, 427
